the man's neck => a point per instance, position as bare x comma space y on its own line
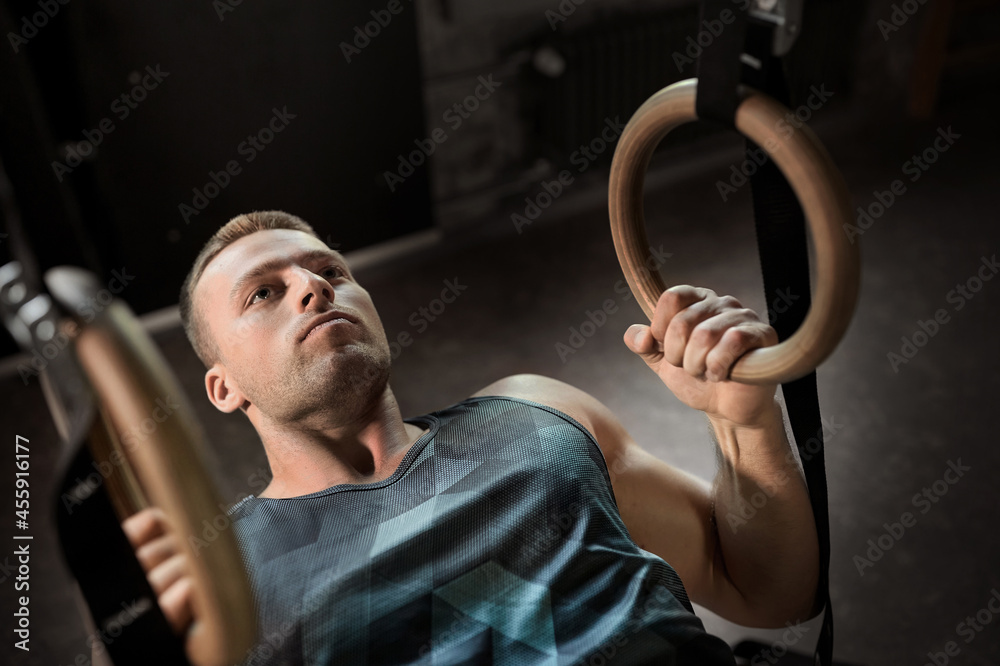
312, 457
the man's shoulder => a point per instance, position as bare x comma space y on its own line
548, 391
602, 424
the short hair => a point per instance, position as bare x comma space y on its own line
195, 326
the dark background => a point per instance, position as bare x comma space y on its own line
898, 428
225, 73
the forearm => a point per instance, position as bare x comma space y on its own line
766, 534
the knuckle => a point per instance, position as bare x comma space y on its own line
669, 298
739, 336
680, 326
145, 557
702, 335
141, 527
730, 302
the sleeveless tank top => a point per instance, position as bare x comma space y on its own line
497, 540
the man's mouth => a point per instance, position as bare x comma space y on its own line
327, 324
331, 319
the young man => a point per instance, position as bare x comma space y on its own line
522, 525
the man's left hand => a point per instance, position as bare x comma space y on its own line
693, 341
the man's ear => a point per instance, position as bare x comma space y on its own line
222, 390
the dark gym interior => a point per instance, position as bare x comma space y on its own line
132, 132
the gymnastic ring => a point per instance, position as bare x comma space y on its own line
816, 182
132, 379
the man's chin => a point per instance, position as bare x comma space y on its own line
350, 371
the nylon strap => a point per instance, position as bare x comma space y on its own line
719, 62
784, 258
130, 624
783, 249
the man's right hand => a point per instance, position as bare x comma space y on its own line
166, 568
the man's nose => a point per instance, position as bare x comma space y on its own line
313, 290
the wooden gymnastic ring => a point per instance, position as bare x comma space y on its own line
816, 182
130, 376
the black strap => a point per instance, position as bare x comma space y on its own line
719, 62
130, 625
783, 248
784, 258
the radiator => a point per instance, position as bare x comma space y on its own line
605, 70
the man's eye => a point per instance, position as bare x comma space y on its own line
334, 269
263, 290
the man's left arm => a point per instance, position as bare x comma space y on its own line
766, 535
744, 546
756, 562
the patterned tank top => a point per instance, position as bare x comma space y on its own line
497, 540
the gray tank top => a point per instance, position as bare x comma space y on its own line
496, 541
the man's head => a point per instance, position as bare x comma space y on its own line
256, 289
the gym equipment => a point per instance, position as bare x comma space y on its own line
816, 181
130, 439
740, 84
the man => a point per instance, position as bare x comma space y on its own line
521, 525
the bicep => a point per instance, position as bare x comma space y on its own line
667, 511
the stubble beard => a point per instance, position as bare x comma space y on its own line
336, 387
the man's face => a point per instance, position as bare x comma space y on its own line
260, 297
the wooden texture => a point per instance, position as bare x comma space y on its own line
819, 187
163, 448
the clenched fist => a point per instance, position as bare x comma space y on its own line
693, 341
